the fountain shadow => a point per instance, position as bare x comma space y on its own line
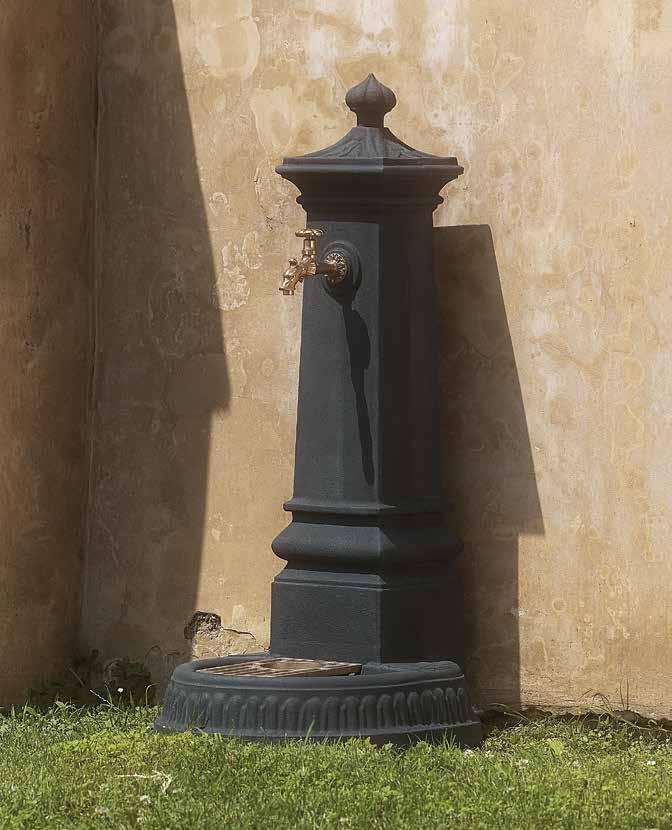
489, 486
359, 351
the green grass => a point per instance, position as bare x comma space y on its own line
104, 768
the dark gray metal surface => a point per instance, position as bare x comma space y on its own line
388, 704
370, 575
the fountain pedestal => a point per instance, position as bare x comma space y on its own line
370, 576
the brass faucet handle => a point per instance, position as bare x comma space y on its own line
310, 233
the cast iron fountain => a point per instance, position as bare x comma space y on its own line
366, 615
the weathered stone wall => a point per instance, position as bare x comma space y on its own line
47, 100
556, 359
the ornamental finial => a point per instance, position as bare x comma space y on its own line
370, 100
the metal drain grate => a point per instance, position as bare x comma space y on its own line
285, 667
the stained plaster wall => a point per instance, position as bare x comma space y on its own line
47, 99
554, 292
552, 255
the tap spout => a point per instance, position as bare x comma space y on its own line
291, 278
334, 266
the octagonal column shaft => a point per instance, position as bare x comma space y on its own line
369, 574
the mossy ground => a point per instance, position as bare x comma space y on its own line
104, 768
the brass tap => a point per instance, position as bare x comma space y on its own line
334, 266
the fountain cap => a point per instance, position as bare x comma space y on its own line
370, 101
370, 159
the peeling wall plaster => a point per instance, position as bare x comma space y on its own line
555, 348
555, 298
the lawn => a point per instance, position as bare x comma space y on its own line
104, 768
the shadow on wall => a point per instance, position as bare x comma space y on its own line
160, 365
489, 484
